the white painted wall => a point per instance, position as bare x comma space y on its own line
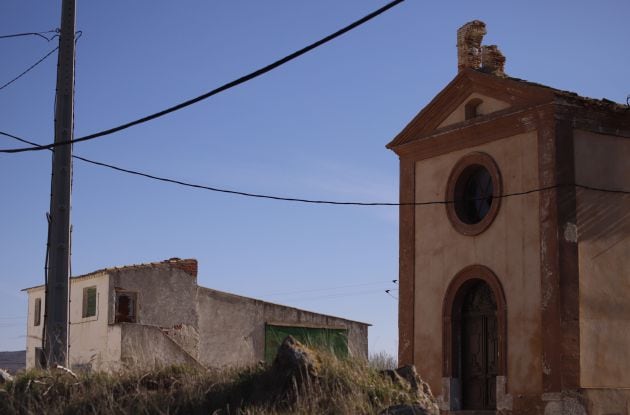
92, 341
34, 333
89, 335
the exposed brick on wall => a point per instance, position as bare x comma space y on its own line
187, 265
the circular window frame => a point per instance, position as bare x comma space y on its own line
466, 162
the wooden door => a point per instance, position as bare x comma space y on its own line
479, 348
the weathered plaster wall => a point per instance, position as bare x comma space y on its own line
488, 105
232, 328
88, 335
165, 298
603, 232
510, 247
34, 333
111, 355
148, 346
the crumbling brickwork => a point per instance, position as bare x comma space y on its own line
492, 60
470, 53
469, 38
187, 265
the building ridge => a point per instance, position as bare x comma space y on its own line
173, 262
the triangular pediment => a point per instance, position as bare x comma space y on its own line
487, 93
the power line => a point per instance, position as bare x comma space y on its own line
337, 295
317, 201
39, 34
29, 68
326, 289
216, 91
388, 292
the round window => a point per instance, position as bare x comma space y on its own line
472, 193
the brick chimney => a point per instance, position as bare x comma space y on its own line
469, 38
470, 53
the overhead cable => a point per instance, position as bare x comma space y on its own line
388, 292
317, 201
29, 68
39, 34
222, 88
326, 289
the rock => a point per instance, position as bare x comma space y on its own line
294, 360
410, 374
5, 377
394, 377
405, 410
407, 377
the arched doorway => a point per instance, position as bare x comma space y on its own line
479, 348
474, 335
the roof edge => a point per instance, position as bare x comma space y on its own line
225, 293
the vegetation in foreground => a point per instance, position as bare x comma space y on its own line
333, 387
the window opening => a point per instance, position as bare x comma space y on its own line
37, 313
471, 108
473, 191
126, 307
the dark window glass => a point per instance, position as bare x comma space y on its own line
473, 195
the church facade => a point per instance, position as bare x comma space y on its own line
515, 290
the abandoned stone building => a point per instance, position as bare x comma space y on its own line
515, 292
156, 314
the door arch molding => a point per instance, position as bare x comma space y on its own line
451, 312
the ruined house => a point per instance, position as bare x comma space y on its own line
156, 314
515, 291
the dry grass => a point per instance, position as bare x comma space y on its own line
383, 361
341, 387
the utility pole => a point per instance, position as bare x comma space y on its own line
56, 338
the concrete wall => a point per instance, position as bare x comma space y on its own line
148, 346
165, 298
510, 247
177, 322
604, 260
232, 328
488, 105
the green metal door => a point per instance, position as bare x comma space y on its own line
331, 339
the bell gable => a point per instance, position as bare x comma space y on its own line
470, 97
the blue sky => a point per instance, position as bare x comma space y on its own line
314, 128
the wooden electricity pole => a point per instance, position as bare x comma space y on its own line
56, 332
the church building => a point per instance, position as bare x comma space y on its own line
515, 288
